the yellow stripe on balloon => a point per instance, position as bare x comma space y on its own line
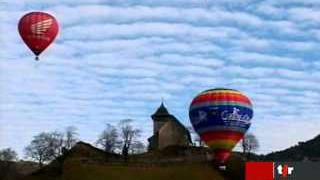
222, 144
221, 91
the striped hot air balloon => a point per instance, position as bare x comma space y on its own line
221, 117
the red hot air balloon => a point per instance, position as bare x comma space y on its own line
38, 30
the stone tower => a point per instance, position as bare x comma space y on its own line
160, 117
167, 130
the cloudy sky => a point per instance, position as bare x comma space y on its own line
116, 59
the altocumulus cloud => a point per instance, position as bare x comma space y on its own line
117, 59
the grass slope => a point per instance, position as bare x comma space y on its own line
85, 162
74, 170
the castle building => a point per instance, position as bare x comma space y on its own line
167, 131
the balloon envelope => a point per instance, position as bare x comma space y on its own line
38, 30
221, 117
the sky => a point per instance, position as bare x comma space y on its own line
116, 59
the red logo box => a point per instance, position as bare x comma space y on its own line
259, 171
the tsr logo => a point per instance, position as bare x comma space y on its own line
285, 170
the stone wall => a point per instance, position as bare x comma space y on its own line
157, 125
172, 134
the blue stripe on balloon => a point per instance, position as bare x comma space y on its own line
212, 116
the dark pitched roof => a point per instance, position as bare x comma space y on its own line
161, 111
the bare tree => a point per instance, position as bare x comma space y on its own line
108, 139
45, 147
55, 141
70, 137
128, 135
249, 144
138, 147
7, 167
38, 149
8, 155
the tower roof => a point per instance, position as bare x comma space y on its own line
161, 111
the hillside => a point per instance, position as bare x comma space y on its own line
85, 162
16, 170
309, 150
75, 170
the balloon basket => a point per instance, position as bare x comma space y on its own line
219, 166
222, 167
